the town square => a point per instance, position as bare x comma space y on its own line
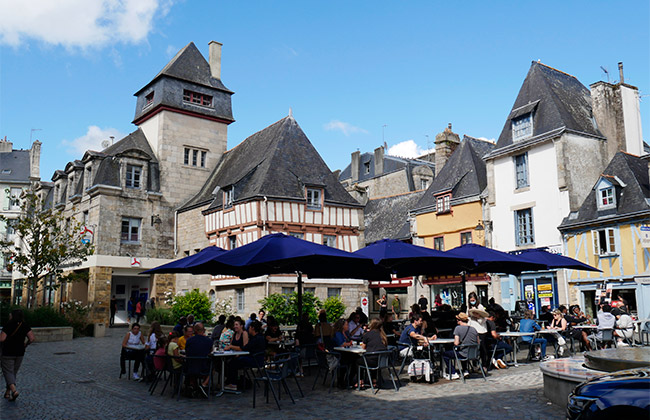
324, 210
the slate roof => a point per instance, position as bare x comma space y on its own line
558, 102
277, 162
464, 174
387, 217
632, 198
391, 164
15, 166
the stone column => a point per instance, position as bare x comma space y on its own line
161, 284
99, 293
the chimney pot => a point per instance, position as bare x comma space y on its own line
620, 72
215, 59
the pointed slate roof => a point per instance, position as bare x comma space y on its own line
558, 102
189, 64
633, 197
464, 174
387, 217
15, 166
391, 164
277, 162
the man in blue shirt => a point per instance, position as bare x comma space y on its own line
198, 346
529, 325
412, 334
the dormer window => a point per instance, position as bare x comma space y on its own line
606, 198
196, 98
522, 127
366, 168
133, 176
228, 197
314, 198
148, 100
424, 183
443, 204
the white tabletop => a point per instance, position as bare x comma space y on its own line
353, 349
586, 326
228, 353
441, 341
136, 347
547, 331
516, 334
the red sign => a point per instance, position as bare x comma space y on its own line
364, 301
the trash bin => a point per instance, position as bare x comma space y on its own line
99, 330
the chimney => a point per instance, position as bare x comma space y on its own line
446, 143
215, 59
35, 161
6, 146
379, 161
354, 166
620, 72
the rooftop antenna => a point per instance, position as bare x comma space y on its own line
383, 129
32, 132
428, 147
604, 69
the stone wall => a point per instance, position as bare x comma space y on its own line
48, 334
385, 185
161, 284
99, 293
191, 238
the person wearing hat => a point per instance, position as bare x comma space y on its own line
463, 335
624, 326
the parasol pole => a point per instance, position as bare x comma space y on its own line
463, 283
299, 276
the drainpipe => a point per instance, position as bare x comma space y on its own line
564, 273
175, 232
264, 215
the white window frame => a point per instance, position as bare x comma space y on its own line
609, 235
314, 198
14, 198
329, 240
424, 183
522, 127
240, 297
133, 178
439, 243
521, 167
603, 194
524, 238
133, 223
228, 197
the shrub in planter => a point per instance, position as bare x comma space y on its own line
194, 302
335, 308
162, 315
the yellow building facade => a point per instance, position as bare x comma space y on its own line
454, 227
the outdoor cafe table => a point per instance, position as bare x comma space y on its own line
441, 342
355, 350
585, 327
223, 355
515, 335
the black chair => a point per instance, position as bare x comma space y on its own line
307, 354
131, 356
193, 368
323, 365
274, 372
294, 367
473, 355
409, 353
384, 361
160, 373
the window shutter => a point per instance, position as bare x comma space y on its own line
612, 240
594, 235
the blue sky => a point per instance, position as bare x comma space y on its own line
346, 68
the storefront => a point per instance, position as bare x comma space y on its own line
124, 288
448, 290
394, 287
539, 289
635, 291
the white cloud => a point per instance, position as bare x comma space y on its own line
171, 51
407, 149
345, 128
92, 140
78, 23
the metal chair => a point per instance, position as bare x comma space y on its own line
323, 365
409, 353
195, 366
644, 333
277, 372
473, 355
294, 366
607, 338
384, 361
160, 373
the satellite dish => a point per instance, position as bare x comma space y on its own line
105, 144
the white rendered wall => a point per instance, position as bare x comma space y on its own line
632, 121
549, 204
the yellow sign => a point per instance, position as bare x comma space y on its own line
541, 287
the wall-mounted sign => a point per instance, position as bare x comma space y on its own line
644, 234
544, 291
135, 262
529, 292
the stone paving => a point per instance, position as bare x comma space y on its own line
84, 384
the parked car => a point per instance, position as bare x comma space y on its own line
619, 395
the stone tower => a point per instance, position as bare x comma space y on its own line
446, 143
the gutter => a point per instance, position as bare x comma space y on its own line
175, 232
597, 222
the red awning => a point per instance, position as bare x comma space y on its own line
456, 279
394, 283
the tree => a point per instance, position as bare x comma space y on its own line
47, 244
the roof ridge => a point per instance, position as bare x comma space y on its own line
554, 69
395, 195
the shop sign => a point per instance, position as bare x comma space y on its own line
544, 291
645, 236
529, 292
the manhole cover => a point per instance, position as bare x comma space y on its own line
63, 352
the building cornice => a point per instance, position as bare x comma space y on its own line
161, 108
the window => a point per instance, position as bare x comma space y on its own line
333, 291
329, 240
524, 234
232, 241
424, 183
228, 197
130, 229
443, 204
196, 98
287, 290
465, 238
605, 242
84, 220
313, 198
522, 127
311, 290
14, 199
241, 303
606, 198
148, 100
194, 157
297, 235
133, 175
366, 167
521, 170
10, 233
439, 243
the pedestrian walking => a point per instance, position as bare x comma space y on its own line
13, 342
113, 309
139, 310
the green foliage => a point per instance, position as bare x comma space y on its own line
162, 315
44, 316
49, 243
334, 307
77, 315
194, 302
285, 307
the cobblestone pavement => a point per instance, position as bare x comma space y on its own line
79, 380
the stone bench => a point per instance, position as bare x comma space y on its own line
48, 334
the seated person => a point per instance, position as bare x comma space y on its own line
412, 334
180, 327
199, 346
188, 331
218, 329
428, 326
304, 331
528, 324
323, 331
605, 321
575, 317
255, 347
464, 335
494, 339
372, 341
227, 333
624, 326
159, 354
558, 324
133, 348
546, 314
173, 350
273, 335
390, 329
356, 326
251, 318
340, 338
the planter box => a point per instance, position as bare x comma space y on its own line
47, 334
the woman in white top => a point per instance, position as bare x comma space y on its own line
478, 320
133, 349
155, 333
624, 326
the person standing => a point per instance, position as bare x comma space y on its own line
138, 311
423, 302
12, 338
397, 307
113, 308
